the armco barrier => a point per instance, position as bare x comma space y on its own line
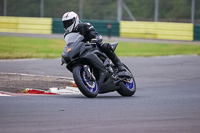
156, 30
196, 32
100, 26
57, 26
136, 29
26, 25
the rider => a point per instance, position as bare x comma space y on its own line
71, 23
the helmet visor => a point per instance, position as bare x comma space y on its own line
68, 23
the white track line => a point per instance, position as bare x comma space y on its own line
32, 75
4, 95
64, 91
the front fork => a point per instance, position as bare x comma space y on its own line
88, 73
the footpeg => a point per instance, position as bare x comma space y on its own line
124, 73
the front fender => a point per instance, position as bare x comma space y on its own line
94, 60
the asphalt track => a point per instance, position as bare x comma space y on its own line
167, 100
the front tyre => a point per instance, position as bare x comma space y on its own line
89, 88
128, 86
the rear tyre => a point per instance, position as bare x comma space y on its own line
128, 87
88, 88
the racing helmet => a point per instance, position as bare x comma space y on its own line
70, 21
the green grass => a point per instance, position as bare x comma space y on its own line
156, 49
23, 47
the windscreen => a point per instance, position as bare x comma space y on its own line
73, 37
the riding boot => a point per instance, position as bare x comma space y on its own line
107, 49
116, 61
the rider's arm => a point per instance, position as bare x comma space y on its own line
93, 34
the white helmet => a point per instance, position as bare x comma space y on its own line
70, 21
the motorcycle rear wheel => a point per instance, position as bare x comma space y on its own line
128, 88
88, 88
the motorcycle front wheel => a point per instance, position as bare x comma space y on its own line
88, 87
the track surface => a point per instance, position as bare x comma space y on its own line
167, 100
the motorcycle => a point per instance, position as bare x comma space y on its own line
93, 71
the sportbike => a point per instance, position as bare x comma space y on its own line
93, 71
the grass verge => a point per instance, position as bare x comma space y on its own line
23, 47
156, 49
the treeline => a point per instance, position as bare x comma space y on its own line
169, 10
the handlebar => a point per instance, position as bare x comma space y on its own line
90, 44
